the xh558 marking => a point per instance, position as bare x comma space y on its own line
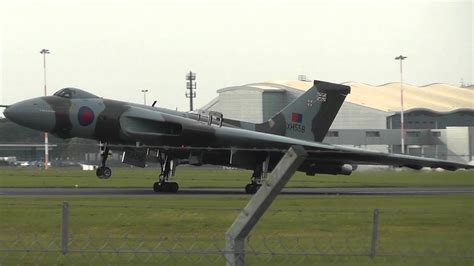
147, 133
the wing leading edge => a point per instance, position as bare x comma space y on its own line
195, 138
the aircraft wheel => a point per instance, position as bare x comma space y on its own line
173, 187
157, 187
252, 188
166, 187
248, 187
99, 172
106, 172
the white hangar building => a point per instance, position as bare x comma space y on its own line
439, 118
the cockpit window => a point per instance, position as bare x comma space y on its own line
73, 93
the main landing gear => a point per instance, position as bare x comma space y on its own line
255, 182
259, 173
104, 172
167, 168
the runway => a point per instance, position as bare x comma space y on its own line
232, 191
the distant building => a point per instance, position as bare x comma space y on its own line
439, 118
26, 152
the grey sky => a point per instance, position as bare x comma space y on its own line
116, 48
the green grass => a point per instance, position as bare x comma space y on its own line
331, 230
197, 177
416, 230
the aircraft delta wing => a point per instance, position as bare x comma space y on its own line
148, 133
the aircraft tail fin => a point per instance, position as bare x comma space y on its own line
309, 116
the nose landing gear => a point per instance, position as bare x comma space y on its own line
104, 172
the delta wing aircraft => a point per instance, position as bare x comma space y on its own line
149, 133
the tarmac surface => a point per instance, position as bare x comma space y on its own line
233, 191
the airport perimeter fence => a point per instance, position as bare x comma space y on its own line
164, 234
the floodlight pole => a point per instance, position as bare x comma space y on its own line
191, 86
46, 152
402, 122
144, 96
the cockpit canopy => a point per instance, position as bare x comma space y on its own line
73, 93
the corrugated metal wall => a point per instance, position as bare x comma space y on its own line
352, 116
273, 102
245, 105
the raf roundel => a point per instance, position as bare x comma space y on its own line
85, 116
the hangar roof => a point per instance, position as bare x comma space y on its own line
436, 97
253, 87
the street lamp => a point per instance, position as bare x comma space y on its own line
144, 96
402, 122
44, 52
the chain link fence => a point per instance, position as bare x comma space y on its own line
75, 234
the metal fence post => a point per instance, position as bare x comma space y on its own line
64, 227
375, 225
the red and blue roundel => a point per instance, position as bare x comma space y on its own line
85, 116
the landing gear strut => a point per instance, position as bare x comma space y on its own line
104, 172
255, 182
166, 170
259, 173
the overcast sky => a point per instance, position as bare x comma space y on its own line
116, 48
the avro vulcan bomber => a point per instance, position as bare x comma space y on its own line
149, 133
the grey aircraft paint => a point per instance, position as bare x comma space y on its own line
189, 137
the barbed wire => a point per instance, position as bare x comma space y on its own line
111, 234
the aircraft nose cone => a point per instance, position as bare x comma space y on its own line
7, 113
11, 112
34, 113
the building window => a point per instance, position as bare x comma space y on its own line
413, 133
372, 134
436, 133
333, 134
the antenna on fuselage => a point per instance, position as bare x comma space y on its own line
153, 105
